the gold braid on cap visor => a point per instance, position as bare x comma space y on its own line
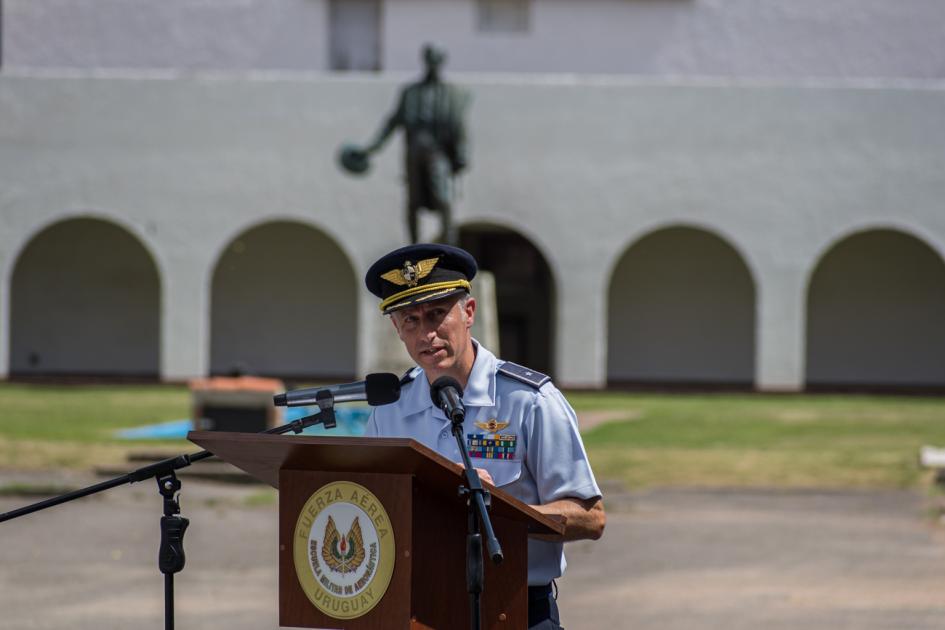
435, 286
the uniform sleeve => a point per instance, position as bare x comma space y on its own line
555, 455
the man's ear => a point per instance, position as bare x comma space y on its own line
393, 321
470, 308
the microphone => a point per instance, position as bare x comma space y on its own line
377, 389
447, 394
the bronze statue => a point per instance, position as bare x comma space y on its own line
431, 113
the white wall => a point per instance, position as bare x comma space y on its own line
742, 38
730, 38
582, 169
167, 34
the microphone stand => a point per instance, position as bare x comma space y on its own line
173, 525
477, 500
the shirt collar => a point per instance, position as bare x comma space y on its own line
479, 392
480, 388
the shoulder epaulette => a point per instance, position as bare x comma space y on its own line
523, 374
408, 377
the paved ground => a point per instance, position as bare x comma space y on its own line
693, 559
686, 559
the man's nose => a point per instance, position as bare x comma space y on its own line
429, 328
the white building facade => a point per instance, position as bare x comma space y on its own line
714, 193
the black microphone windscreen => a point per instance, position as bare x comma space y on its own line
382, 388
442, 383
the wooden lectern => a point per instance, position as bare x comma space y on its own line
418, 490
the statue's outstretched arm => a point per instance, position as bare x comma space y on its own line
382, 135
390, 125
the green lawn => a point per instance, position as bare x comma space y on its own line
761, 440
71, 426
637, 439
85, 413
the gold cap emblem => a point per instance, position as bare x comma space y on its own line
411, 273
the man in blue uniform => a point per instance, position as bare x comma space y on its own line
521, 433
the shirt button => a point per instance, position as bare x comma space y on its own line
444, 435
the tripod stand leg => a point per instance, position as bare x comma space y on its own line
168, 601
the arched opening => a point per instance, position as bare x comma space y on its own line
524, 293
85, 300
681, 311
284, 304
876, 314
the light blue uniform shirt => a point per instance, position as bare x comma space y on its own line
537, 458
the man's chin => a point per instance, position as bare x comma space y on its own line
434, 362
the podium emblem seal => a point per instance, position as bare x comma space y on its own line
343, 550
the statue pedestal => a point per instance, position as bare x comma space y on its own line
486, 325
429, 227
391, 355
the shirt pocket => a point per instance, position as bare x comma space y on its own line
503, 472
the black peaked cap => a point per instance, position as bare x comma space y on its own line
420, 273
